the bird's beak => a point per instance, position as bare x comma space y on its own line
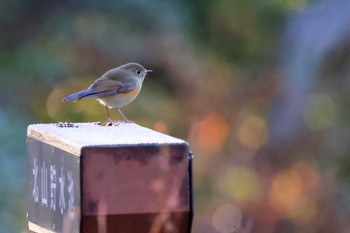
148, 71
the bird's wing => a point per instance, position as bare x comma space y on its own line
103, 87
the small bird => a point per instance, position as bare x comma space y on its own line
116, 88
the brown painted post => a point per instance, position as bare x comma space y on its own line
84, 177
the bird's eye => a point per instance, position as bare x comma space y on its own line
138, 71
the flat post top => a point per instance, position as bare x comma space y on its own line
72, 137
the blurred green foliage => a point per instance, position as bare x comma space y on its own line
222, 69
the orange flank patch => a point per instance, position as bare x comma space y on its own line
131, 93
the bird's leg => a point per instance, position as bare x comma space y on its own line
125, 119
109, 120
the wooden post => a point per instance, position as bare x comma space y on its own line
85, 177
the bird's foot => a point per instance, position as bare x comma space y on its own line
113, 123
128, 122
109, 122
117, 123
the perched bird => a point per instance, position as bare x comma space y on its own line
116, 88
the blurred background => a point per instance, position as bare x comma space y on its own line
258, 88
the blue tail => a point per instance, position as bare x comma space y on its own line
79, 95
